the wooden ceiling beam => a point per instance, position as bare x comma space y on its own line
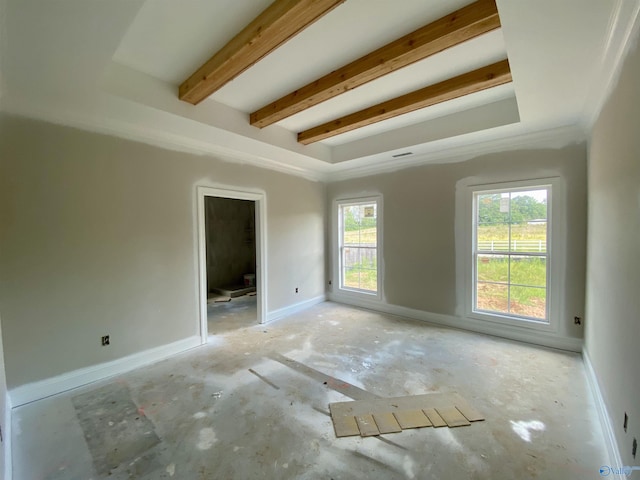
469, 22
282, 20
475, 81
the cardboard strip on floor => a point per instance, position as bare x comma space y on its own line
412, 419
391, 415
367, 425
453, 417
436, 420
469, 412
386, 422
346, 426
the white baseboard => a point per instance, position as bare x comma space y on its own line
503, 331
6, 436
295, 308
603, 413
45, 388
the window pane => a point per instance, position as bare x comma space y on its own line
530, 271
529, 237
359, 224
350, 262
359, 241
360, 268
493, 268
492, 297
511, 239
528, 206
493, 237
351, 277
493, 208
529, 302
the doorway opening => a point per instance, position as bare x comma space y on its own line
231, 255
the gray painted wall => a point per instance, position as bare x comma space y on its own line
231, 240
420, 226
613, 273
98, 236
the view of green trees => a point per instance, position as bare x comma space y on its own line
522, 209
354, 219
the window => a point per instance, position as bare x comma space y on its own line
358, 246
511, 247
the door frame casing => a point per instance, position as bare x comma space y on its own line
202, 192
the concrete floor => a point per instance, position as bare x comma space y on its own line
237, 313
203, 415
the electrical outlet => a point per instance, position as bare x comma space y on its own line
577, 320
105, 340
634, 448
626, 422
296, 289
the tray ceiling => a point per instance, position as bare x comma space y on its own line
129, 59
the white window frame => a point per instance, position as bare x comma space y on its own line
338, 245
556, 236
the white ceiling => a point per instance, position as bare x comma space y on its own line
115, 66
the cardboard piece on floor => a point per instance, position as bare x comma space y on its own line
469, 412
367, 425
452, 416
387, 423
412, 419
345, 427
436, 420
405, 410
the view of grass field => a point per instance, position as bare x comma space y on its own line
517, 285
508, 283
366, 235
524, 238
363, 277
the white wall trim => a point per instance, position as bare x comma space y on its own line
295, 308
260, 199
603, 413
504, 331
7, 436
61, 383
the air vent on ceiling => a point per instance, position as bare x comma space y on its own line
404, 154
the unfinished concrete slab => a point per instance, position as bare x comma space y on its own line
115, 429
216, 419
233, 314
